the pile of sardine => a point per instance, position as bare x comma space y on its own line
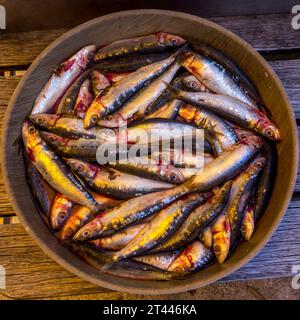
150, 221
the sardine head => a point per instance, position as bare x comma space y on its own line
85, 55
53, 139
271, 132
170, 39
82, 168
90, 231
44, 120
30, 135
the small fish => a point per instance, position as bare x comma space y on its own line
191, 83
197, 220
144, 168
62, 78
129, 63
114, 96
84, 99
221, 234
266, 180
160, 260
156, 42
119, 240
236, 72
60, 211
67, 102
216, 78
247, 227
68, 126
125, 269
162, 226
226, 166
111, 182
72, 148
232, 110
221, 130
99, 82
129, 212
82, 215
206, 237
193, 258
167, 111
53, 169
42, 192
239, 196
136, 107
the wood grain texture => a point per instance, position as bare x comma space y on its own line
26, 264
21, 48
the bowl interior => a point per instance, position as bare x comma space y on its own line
129, 24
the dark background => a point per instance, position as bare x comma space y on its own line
25, 15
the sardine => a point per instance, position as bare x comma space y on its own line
111, 182
68, 126
266, 180
159, 260
240, 194
162, 226
130, 63
144, 168
63, 76
53, 169
42, 192
129, 212
72, 148
221, 233
67, 102
118, 240
197, 220
136, 107
247, 227
156, 42
236, 72
82, 215
216, 78
193, 258
232, 110
226, 166
60, 211
221, 130
84, 99
125, 269
99, 82
114, 96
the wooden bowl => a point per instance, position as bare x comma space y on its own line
129, 24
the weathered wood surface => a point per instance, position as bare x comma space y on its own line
260, 31
26, 264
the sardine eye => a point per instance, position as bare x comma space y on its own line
61, 216
193, 84
52, 139
39, 120
90, 55
80, 167
173, 177
173, 40
94, 119
269, 132
31, 129
86, 233
69, 232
